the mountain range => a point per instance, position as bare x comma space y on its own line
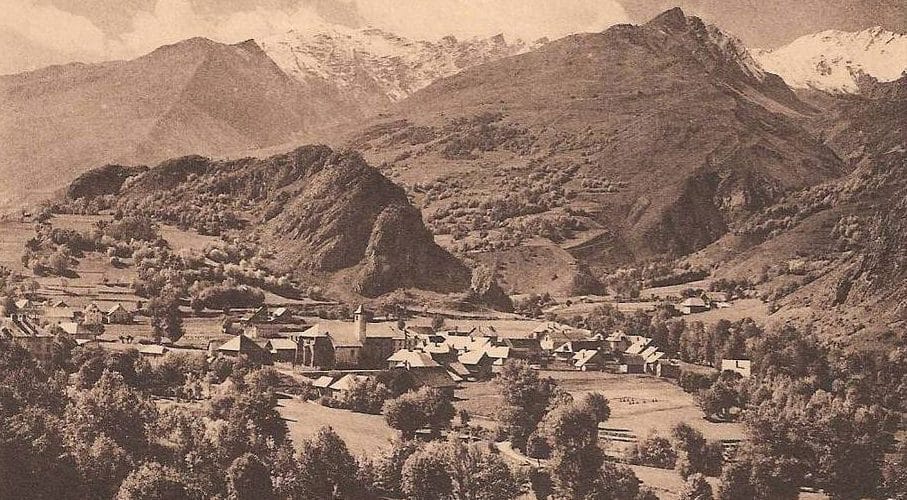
549, 161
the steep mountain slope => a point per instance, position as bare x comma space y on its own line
318, 210
373, 67
646, 140
834, 61
838, 247
196, 96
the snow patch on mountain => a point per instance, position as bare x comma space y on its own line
374, 65
834, 61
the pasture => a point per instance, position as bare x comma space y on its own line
364, 434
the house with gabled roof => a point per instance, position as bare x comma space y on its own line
241, 345
588, 360
27, 334
693, 305
408, 358
282, 349
565, 351
478, 363
118, 315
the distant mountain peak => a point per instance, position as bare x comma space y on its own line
671, 19
836, 61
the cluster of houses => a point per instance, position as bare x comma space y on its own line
33, 324
268, 336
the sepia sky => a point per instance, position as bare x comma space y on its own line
36, 33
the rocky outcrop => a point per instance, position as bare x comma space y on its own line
323, 212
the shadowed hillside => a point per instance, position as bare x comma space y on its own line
663, 135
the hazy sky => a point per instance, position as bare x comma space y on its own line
36, 33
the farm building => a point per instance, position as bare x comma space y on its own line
742, 366
118, 315
282, 349
667, 368
565, 351
589, 360
346, 382
59, 314
242, 345
411, 359
478, 363
632, 363
693, 305
435, 377
152, 350
21, 330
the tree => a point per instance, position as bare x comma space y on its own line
152, 481
526, 400
249, 479
696, 488
365, 396
405, 415
327, 469
389, 467
693, 452
475, 472
437, 322
598, 405
425, 477
655, 451
427, 407
613, 482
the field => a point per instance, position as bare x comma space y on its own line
13, 236
363, 434
639, 403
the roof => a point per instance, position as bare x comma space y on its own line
117, 308
472, 357
69, 327
59, 312
432, 348
24, 304
457, 368
240, 344
636, 349
282, 344
578, 345
616, 336
432, 376
585, 356
454, 376
648, 351
92, 307
498, 352
347, 381
58, 303
360, 310
736, 364
323, 382
408, 358
345, 333
531, 344
153, 349
466, 342
654, 357
693, 302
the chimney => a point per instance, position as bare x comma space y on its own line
360, 315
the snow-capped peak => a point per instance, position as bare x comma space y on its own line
374, 65
834, 60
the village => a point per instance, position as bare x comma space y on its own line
670, 357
